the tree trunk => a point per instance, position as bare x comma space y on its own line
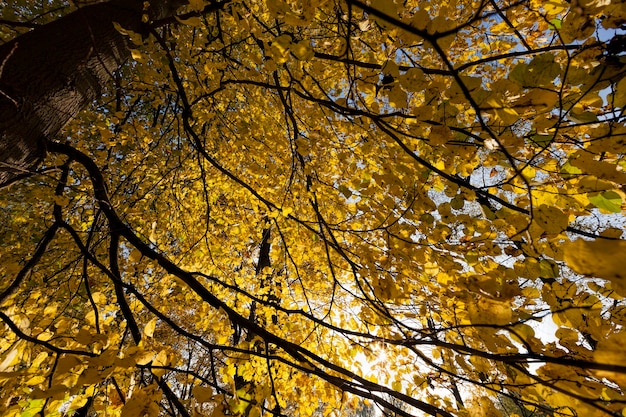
52, 72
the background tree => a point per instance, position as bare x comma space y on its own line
293, 208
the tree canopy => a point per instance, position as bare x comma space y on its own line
320, 208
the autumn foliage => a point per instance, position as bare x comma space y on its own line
325, 207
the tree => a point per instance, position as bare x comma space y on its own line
43, 90
295, 208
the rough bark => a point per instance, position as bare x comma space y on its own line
52, 72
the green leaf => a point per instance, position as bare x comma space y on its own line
568, 170
541, 140
33, 408
556, 23
549, 268
608, 200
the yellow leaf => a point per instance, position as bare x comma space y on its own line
196, 5
523, 333
90, 318
280, 48
66, 364
36, 380
255, 412
61, 200
137, 56
202, 394
144, 403
11, 357
439, 135
601, 258
502, 111
219, 412
550, 219
487, 311
161, 359
398, 97
303, 50
194, 21
148, 331
566, 335
134, 255
396, 386
134, 36
84, 337
144, 357
387, 7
